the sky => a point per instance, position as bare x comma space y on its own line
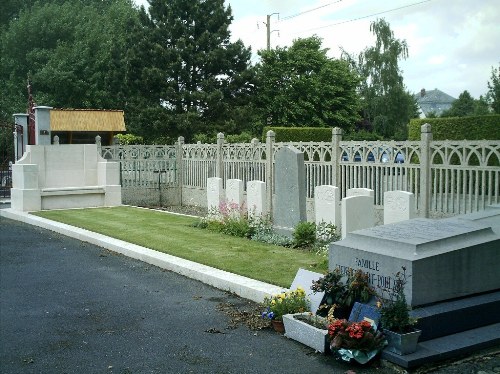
452, 45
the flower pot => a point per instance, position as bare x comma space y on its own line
306, 333
402, 344
278, 326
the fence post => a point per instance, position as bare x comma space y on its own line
99, 144
270, 138
336, 139
425, 169
219, 167
180, 167
56, 140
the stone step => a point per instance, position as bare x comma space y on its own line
446, 347
451, 317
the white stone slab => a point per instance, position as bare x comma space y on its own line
256, 199
360, 192
358, 212
398, 206
327, 204
215, 194
234, 193
305, 278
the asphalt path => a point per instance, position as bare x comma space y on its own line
71, 307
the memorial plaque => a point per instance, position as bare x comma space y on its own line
305, 278
365, 312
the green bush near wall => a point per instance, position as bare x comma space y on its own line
458, 128
299, 134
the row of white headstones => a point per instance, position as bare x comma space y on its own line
356, 211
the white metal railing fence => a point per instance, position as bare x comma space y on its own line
450, 177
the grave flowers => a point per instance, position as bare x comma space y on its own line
358, 341
288, 302
342, 296
395, 318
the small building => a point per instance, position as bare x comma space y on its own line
81, 126
433, 101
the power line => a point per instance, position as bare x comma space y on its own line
368, 16
308, 11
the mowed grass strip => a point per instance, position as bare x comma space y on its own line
172, 234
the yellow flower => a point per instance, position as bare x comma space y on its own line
379, 304
273, 302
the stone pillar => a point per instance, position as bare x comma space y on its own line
179, 167
336, 153
42, 125
20, 143
56, 140
219, 167
425, 170
270, 138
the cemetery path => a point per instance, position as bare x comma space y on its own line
71, 307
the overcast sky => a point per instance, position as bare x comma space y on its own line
452, 44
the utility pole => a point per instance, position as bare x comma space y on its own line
268, 28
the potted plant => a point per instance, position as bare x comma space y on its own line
342, 295
288, 302
395, 319
358, 341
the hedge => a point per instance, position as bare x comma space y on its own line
458, 128
315, 134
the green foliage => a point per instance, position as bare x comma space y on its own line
461, 107
395, 312
302, 86
493, 95
470, 128
187, 71
304, 234
129, 139
229, 219
299, 134
244, 137
387, 106
363, 135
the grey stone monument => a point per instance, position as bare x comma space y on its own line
444, 259
290, 190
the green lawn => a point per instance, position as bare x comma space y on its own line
173, 234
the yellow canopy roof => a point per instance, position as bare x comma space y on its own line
86, 120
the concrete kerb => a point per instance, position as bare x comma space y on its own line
242, 286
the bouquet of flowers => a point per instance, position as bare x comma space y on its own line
355, 340
285, 303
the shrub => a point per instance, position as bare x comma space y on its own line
458, 128
304, 235
299, 134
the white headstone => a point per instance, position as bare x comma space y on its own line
327, 204
398, 206
256, 199
358, 212
234, 193
360, 192
215, 193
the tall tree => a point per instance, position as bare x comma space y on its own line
74, 62
387, 105
193, 74
302, 86
461, 107
493, 95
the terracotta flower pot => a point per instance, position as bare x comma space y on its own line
278, 326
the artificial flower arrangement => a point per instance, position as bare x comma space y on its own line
288, 302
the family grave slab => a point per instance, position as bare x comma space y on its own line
290, 190
398, 206
358, 212
444, 259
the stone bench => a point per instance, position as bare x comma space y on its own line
62, 177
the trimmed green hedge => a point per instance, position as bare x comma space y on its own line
458, 128
299, 134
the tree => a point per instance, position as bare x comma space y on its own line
194, 78
302, 86
493, 95
462, 107
73, 62
387, 105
